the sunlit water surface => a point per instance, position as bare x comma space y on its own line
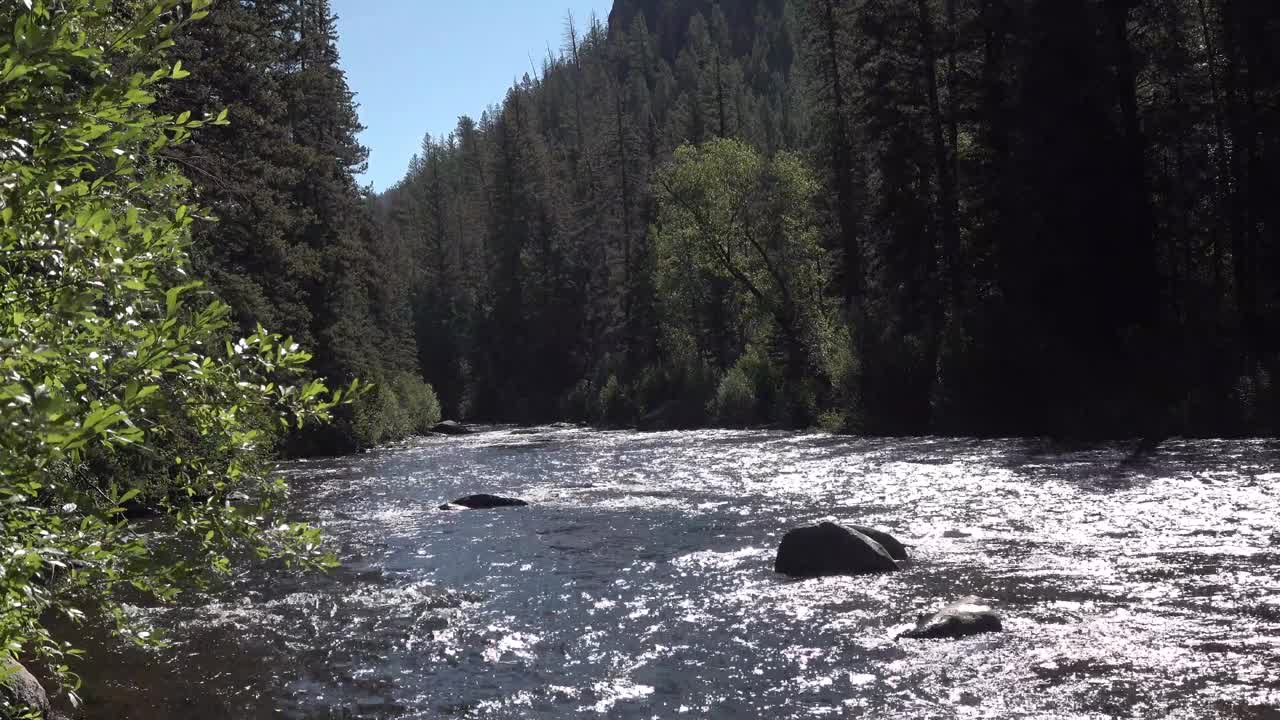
639, 585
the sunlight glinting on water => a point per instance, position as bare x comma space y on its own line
640, 583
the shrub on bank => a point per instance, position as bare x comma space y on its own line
735, 402
400, 405
615, 406
578, 404
676, 393
419, 404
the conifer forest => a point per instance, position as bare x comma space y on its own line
954, 254
989, 217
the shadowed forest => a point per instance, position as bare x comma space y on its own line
1017, 217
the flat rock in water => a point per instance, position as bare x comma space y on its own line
829, 549
483, 501
451, 427
21, 688
969, 616
896, 549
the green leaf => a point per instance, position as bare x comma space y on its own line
173, 295
95, 229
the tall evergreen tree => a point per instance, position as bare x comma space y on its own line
297, 244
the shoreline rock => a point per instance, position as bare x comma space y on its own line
452, 427
830, 549
22, 689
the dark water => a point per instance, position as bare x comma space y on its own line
639, 585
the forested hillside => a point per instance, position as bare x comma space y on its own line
1031, 217
530, 226
291, 244
1035, 216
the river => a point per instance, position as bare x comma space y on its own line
639, 584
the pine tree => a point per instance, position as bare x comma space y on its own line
297, 244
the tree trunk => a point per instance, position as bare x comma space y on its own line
842, 162
1209, 36
1244, 260
625, 187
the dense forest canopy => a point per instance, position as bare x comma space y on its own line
1039, 216
1035, 217
294, 246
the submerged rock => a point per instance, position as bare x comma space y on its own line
452, 427
969, 616
829, 549
896, 549
483, 501
20, 688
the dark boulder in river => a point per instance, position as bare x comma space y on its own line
969, 616
483, 501
896, 550
21, 689
451, 427
829, 549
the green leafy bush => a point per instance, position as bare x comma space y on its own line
579, 403
767, 383
651, 389
735, 402
834, 421
399, 405
120, 383
676, 393
377, 418
615, 407
840, 365
418, 402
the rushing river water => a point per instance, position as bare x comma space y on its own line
640, 585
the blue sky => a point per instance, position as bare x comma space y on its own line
416, 65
